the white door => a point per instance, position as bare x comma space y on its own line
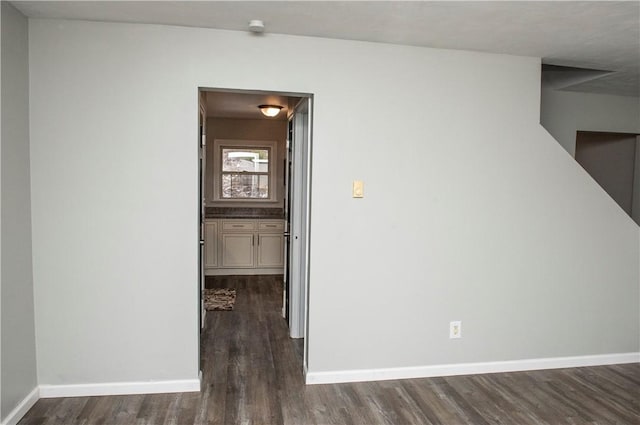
287, 222
299, 218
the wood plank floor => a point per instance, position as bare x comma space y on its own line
252, 375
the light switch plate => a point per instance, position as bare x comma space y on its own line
455, 329
358, 189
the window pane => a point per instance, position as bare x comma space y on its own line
242, 186
250, 160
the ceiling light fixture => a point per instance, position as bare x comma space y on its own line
270, 110
256, 26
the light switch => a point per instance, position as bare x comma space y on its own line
358, 189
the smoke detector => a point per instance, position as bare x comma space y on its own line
256, 26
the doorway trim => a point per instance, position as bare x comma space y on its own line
300, 194
301, 303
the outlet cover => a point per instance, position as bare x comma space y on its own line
455, 329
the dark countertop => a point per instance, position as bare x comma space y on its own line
241, 212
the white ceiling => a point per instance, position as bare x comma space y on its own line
602, 35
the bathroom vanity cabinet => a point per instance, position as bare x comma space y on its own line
244, 246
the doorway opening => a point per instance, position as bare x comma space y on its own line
255, 198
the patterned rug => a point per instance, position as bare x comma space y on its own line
219, 299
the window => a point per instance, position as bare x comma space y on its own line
245, 170
245, 173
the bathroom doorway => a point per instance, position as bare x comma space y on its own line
255, 198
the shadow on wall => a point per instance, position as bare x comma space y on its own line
613, 160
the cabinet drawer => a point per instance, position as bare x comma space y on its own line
238, 225
271, 226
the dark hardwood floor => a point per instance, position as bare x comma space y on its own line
252, 375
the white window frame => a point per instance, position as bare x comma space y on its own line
219, 144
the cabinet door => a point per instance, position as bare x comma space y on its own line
270, 250
237, 249
210, 244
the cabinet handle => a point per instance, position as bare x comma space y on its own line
253, 239
271, 225
237, 225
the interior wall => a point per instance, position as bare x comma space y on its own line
563, 113
472, 211
1, 415
242, 129
610, 159
18, 359
635, 209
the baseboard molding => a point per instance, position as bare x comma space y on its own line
120, 388
22, 408
363, 375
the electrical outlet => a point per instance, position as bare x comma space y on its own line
455, 329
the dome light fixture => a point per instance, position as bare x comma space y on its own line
270, 110
256, 26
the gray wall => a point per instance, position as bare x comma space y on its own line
635, 209
563, 113
240, 129
502, 230
18, 338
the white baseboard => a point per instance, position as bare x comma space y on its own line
361, 375
22, 408
120, 388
